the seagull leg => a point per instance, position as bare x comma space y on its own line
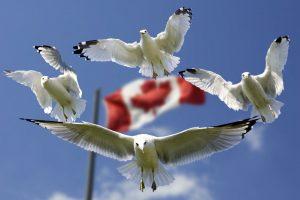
273, 113
142, 184
166, 73
153, 186
263, 118
74, 112
154, 73
66, 117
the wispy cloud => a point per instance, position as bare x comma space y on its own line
60, 196
255, 138
185, 186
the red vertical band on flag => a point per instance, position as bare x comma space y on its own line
118, 116
190, 93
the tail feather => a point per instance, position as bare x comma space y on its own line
133, 172
78, 106
270, 112
167, 64
146, 69
170, 62
57, 113
69, 113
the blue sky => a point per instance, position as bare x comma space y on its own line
228, 37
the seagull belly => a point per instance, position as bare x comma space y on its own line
147, 159
255, 93
58, 92
152, 54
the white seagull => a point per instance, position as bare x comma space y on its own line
258, 90
147, 152
64, 89
154, 55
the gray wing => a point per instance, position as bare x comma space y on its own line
70, 82
171, 40
92, 137
197, 143
32, 79
271, 79
52, 56
230, 94
115, 50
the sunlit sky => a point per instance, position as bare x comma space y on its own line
228, 37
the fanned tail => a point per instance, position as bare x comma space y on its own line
133, 172
170, 62
166, 65
58, 113
69, 113
270, 112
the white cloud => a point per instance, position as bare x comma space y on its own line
60, 196
255, 138
185, 186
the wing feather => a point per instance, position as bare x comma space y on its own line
115, 50
32, 79
52, 56
213, 83
172, 38
271, 79
197, 143
92, 137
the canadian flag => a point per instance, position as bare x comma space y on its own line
141, 101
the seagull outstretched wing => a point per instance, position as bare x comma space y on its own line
197, 143
172, 38
271, 79
32, 79
115, 50
52, 56
213, 83
92, 137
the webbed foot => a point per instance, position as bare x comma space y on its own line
154, 75
153, 186
166, 73
142, 185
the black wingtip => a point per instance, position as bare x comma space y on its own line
183, 10
77, 51
191, 70
38, 121
250, 122
29, 120
7, 71
181, 73
279, 39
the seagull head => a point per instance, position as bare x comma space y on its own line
245, 75
142, 142
143, 32
44, 79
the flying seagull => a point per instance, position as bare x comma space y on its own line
147, 152
258, 90
64, 89
154, 55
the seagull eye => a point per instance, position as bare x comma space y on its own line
137, 144
145, 143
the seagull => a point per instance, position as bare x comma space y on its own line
258, 90
148, 153
64, 89
154, 55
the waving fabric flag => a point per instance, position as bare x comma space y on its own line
141, 101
